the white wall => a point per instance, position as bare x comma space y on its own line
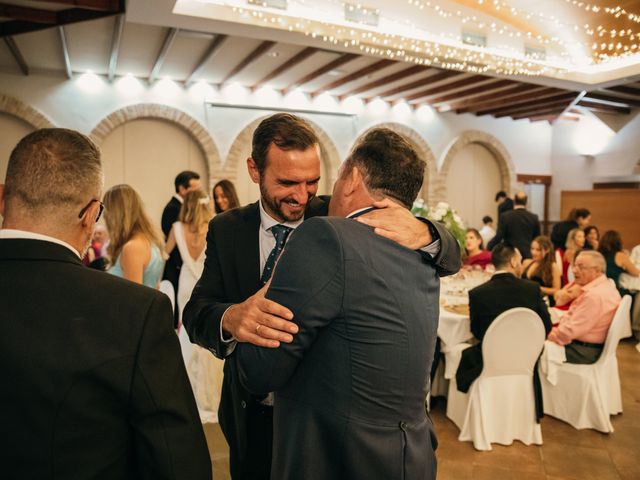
535, 148
614, 154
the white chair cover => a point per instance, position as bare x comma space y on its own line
500, 405
585, 395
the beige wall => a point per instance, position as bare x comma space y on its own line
148, 154
472, 182
13, 129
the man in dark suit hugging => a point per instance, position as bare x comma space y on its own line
350, 388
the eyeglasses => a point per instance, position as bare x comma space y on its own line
86, 207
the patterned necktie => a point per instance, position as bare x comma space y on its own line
280, 232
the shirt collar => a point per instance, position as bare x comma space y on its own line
178, 197
267, 221
360, 211
599, 280
7, 233
502, 272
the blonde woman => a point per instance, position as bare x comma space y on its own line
135, 247
189, 236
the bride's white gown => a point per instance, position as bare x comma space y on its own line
204, 369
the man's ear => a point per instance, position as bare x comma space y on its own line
254, 173
354, 181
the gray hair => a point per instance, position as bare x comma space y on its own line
53, 171
597, 259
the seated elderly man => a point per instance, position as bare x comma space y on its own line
583, 329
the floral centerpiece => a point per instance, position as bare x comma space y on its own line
444, 214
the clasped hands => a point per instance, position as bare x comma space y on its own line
265, 323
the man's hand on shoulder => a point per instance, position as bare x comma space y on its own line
260, 321
396, 223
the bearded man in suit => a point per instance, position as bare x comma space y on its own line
95, 382
228, 303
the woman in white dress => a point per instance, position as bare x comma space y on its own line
189, 236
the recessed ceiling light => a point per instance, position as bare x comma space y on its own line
273, 54
335, 73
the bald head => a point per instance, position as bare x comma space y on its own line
520, 198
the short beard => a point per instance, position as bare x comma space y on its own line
274, 206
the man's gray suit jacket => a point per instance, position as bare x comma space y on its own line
350, 389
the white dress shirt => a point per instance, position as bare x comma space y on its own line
7, 233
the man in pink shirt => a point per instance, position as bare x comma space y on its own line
583, 329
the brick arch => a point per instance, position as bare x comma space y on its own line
162, 112
491, 143
329, 152
417, 142
24, 112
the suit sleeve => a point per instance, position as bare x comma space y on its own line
203, 313
168, 438
169, 216
499, 235
309, 280
474, 321
448, 260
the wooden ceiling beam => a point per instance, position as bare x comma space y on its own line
625, 89
162, 54
214, 46
612, 99
507, 112
430, 80
430, 92
248, 60
115, 46
65, 52
104, 5
394, 77
469, 102
363, 72
26, 14
338, 62
563, 97
604, 108
537, 112
508, 101
25, 20
17, 55
286, 66
498, 84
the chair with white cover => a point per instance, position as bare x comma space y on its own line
585, 396
500, 405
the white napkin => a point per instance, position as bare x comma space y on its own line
553, 356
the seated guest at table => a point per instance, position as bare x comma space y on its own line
577, 218
487, 232
591, 237
617, 260
541, 267
575, 242
583, 328
475, 254
503, 292
136, 248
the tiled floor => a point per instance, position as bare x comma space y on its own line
566, 454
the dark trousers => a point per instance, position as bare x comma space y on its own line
583, 353
256, 464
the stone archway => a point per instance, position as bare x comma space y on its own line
491, 143
162, 112
431, 175
24, 112
330, 156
